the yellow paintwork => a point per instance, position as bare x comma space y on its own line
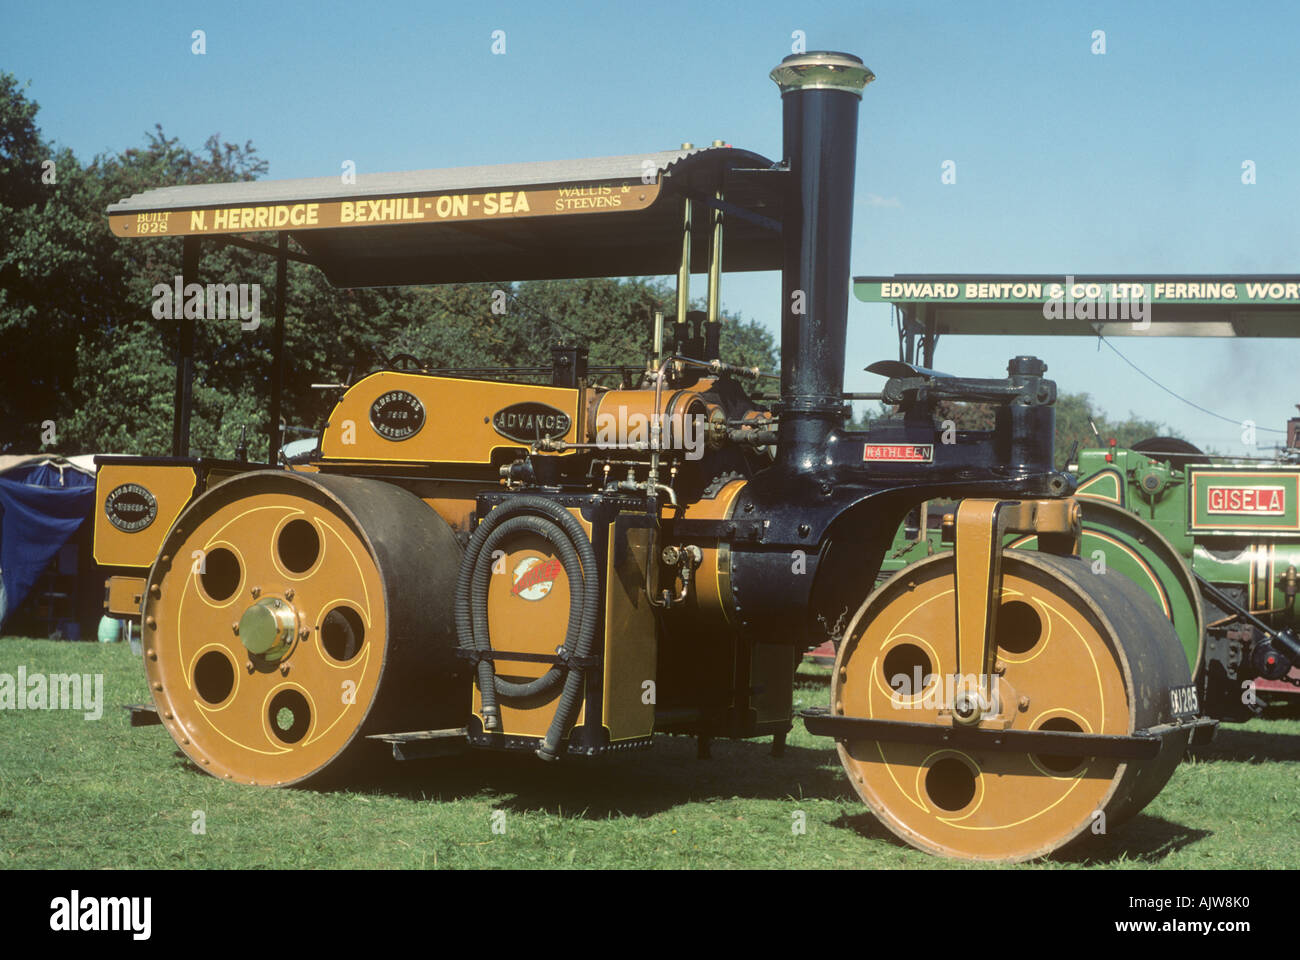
172, 487
125, 595
631, 650
538, 626
712, 593
457, 419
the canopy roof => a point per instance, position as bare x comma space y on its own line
1114, 305
608, 216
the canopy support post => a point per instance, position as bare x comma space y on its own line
184, 393
930, 341
907, 332
715, 265
684, 269
274, 439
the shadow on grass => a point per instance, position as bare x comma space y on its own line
639, 784
1249, 746
669, 775
1144, 839
866, 825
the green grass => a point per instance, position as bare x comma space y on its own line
88, 795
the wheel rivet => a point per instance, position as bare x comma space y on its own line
256, 592
304, 633
844, 675
155, 591
284, 670
157, 686
234, 627
288, 594
151, 623
1024, 703
249, 666
999, 668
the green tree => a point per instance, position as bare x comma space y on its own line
44, 266
1075, 415
80, 345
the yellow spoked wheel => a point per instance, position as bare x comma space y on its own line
1076, 652
289, 614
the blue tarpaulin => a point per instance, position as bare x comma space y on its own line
42, 504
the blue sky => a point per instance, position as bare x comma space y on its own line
1067, 162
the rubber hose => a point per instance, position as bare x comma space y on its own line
580, 594
568, 556
571, 697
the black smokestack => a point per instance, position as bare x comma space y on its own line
820, 93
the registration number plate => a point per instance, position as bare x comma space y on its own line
1184, 702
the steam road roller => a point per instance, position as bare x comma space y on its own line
532, 559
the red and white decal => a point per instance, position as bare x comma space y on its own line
1253, 501
899, 452
534, 577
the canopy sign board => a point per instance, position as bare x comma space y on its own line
932, 305
1041, 291
578, 198
598, 217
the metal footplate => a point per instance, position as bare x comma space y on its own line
423, 744
143, 714
1143, 743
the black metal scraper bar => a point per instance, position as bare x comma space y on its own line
1143, 743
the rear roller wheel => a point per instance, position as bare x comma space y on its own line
1075, 652
291, 614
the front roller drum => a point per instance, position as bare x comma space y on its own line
290, 615
1076, 652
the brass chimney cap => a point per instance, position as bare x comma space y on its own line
822, 70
